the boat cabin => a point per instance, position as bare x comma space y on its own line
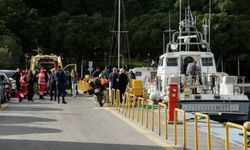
175, 65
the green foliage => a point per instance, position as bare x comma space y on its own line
5, 60
77, 28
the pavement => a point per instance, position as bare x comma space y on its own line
79, 125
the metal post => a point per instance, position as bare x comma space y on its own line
82, 69
159, 118
152, 117
119, 32
142, 112
238, 64
163, 42
138, 109
146, 114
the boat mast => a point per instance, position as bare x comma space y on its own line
180, 27
209, 24
119, 32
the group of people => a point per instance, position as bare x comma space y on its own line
115, 79
53, 82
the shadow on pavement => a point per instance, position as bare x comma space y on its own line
22, 119
54, 145
19, 130
31, 103
29, 108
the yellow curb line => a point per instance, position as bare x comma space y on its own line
144, 132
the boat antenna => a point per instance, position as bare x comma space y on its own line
209, 24
169, 27
112, 45
180, 25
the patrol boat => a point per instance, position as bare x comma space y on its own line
209, 91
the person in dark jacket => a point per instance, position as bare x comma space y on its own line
123, 81
60, 85
96, 72
114, 79
30, 80
17, 76
132, 74
52, 83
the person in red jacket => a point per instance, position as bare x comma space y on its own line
23, 83
41, 82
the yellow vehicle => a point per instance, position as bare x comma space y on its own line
48, 62
51, 61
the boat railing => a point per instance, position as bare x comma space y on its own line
188, 35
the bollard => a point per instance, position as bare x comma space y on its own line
184, 126
172, 100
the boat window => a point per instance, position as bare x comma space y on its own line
161, 62
137, 73
207, 62
172, 62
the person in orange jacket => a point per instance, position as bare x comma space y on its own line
41, 83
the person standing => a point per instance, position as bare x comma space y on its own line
73, 82
60, 85
30, 82
123, 81
105, 72
17, 76
41, 83
132, 74
52, 83
23, 83
96, 73
114, 79
192, 69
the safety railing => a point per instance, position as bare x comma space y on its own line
152, 115
133, 105
130, 96
196, 115
124, 103
165, 119
139, 101
176, 110
117, 100
128, 104
106, 96
113, 97
230, 124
